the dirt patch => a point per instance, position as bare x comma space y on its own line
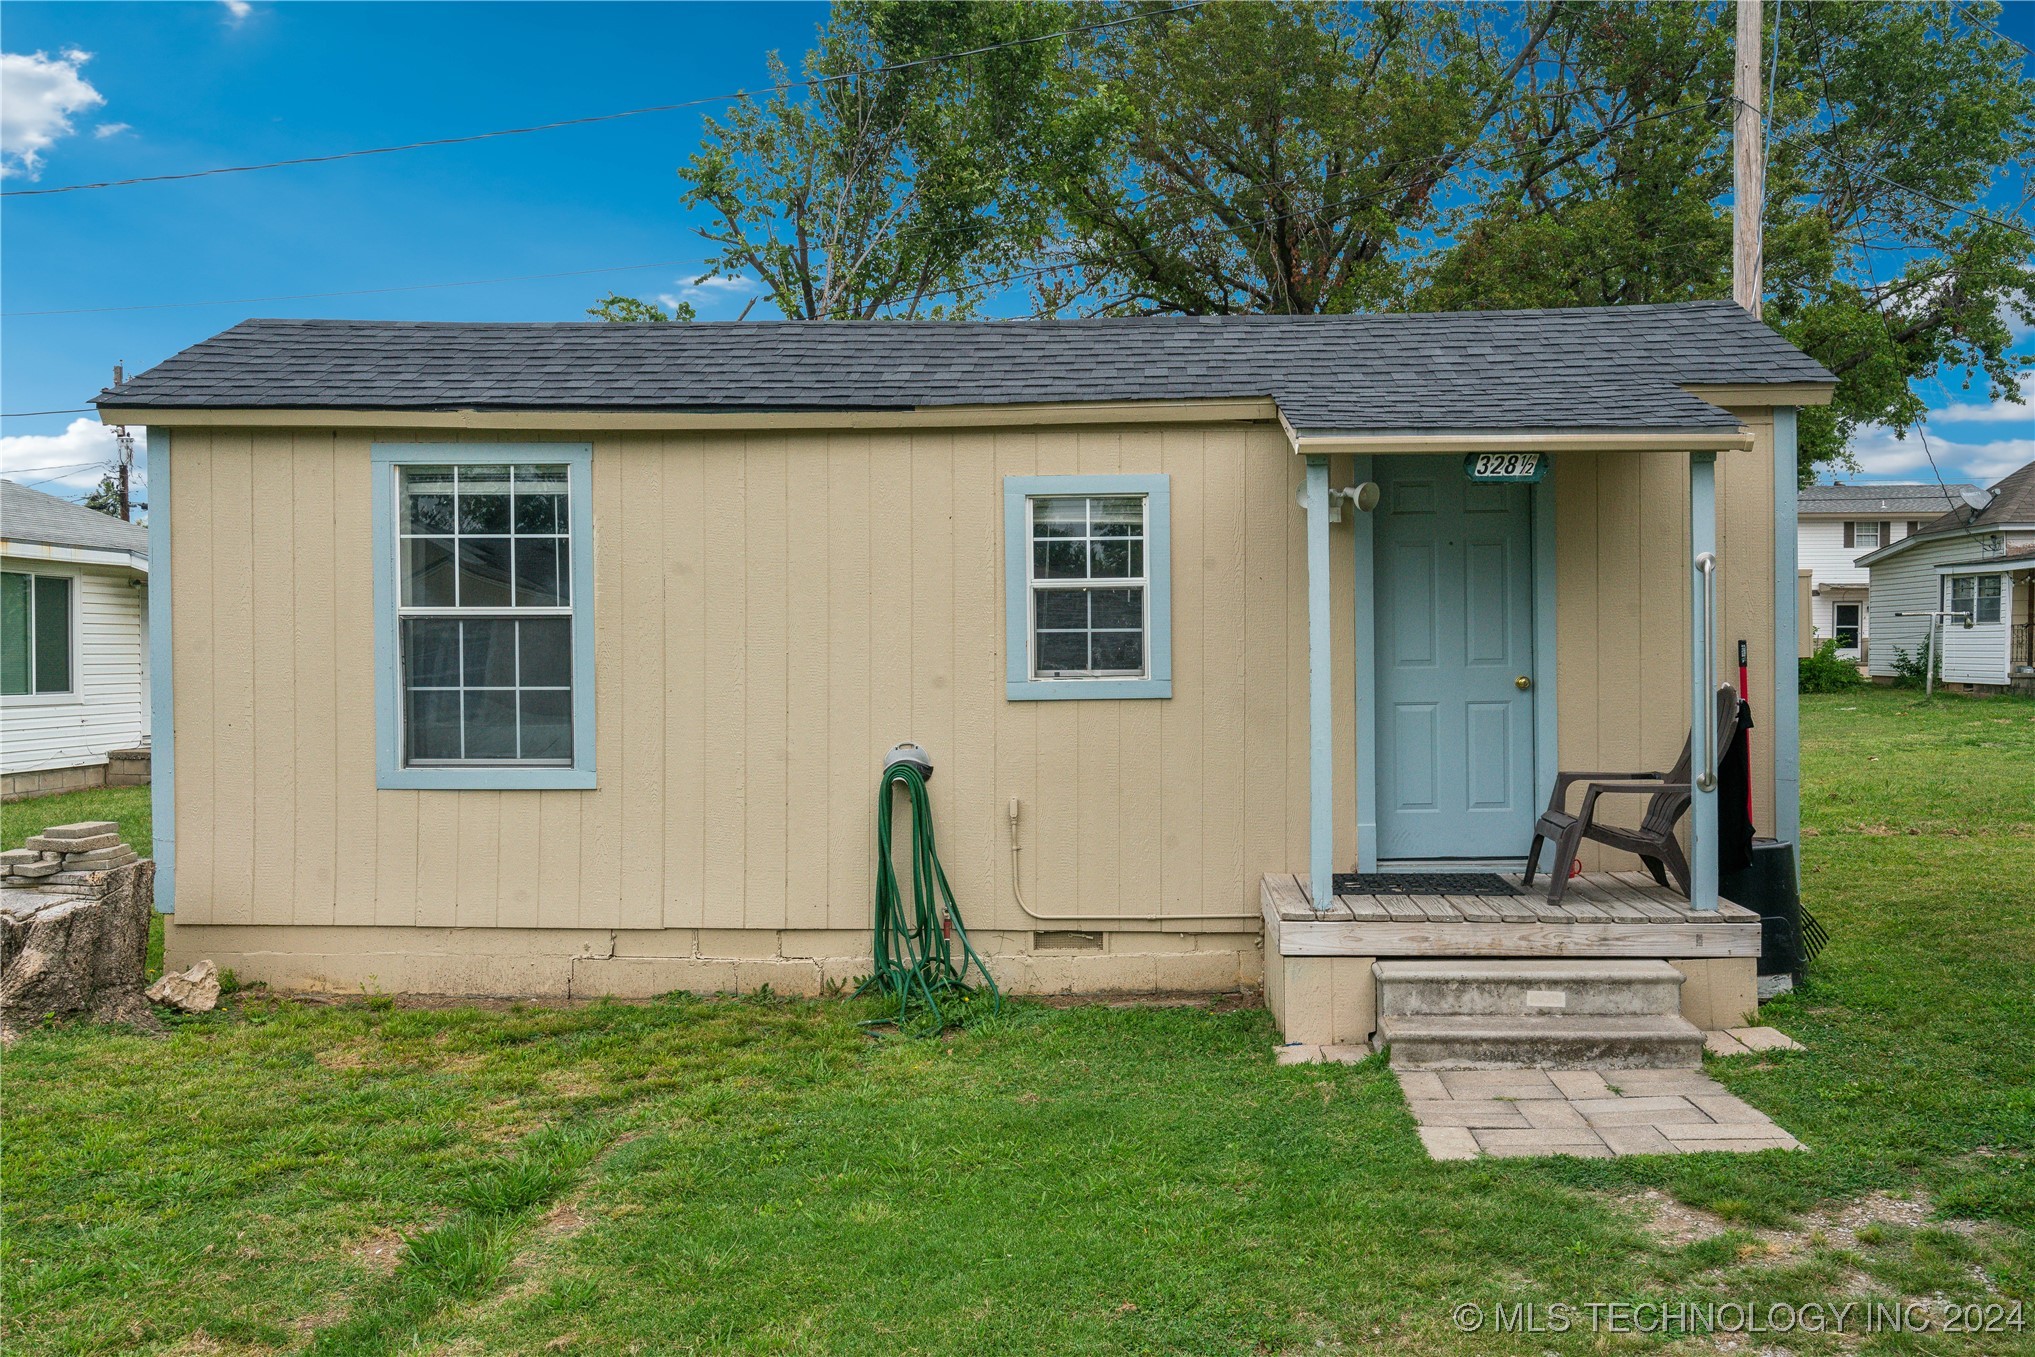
562, 1220
1674, 1224
1214, 1003
378, 1252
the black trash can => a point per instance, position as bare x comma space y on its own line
1767, 886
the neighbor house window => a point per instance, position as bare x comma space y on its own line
1088, 597
35, 634
1977, 596
486, 647
1864, 536
1844, 625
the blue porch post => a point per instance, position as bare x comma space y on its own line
1702, 679
1786, 704
1320, 696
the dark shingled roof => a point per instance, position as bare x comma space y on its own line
1608, 368
31, 516
2013, 501
1893, 497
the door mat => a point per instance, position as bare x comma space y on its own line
1423, 883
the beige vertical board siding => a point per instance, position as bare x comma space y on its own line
236, 628
1343, 647
852, 670
278, 724
645, 636
1578, 610
315, 823
772, 612
1745, 533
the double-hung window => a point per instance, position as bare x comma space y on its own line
484, 643
1087, 590
35, 634
1976, 596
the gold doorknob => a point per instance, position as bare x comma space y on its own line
1522, 683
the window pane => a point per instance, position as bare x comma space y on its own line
483, 499
547, 652
490, 724
427, 499
1060, 609
547, 725
490, 653
431, 652
427, 572
1112, 560
1060, 517
1988, 599
540, 512
52, 634
537, 573
1063, 651
1119, 650
483, 572
1117, 516
1119, 608
1060, 560
433, 725
16, 641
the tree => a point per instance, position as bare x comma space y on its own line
617, 307
877, 187
106, 497
1279, 159
1608, 178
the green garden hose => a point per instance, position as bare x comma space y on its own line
914, 959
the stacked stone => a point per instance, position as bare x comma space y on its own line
67, 859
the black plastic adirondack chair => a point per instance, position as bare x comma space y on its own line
1654, 840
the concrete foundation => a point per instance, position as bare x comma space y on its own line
47, 781
642, 963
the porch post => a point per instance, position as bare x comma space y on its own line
1702, 680
1787, 673
1320, 695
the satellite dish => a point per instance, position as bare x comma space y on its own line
1975, 499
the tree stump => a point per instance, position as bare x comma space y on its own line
66, 951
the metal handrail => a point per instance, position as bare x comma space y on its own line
1706, 778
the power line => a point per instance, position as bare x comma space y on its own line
31, 414
349, 292
815, 82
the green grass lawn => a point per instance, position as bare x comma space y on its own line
757, 1175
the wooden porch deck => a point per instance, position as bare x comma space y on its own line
1603, 914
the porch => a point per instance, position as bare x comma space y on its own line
1319, 979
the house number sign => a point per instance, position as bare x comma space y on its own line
1505, 466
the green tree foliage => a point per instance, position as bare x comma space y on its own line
1609, 179
617, 307
105, 497
885, 182
1330, 157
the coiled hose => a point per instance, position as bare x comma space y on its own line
914, 959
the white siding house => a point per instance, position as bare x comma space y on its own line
1838, 524
73, 641
1979, 565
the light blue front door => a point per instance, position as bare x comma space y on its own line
1453, 568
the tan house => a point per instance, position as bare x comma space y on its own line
563, 658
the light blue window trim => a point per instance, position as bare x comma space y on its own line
1020, 685
389, 770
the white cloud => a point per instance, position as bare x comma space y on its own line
1993, 412
236, 10
1881, 453
707, 291
105, 130
38, 95
67, 463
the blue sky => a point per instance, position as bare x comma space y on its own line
193, 85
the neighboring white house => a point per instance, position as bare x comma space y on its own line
1837, 524
73, 642
1979, 563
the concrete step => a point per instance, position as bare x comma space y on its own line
1486, 1042
1527, 988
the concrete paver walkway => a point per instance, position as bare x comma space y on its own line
1592, 1114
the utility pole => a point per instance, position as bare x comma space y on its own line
1748, 162
126, 443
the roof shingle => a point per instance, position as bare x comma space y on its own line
1583, 369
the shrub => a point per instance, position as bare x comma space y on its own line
1910, 671
1823, 672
